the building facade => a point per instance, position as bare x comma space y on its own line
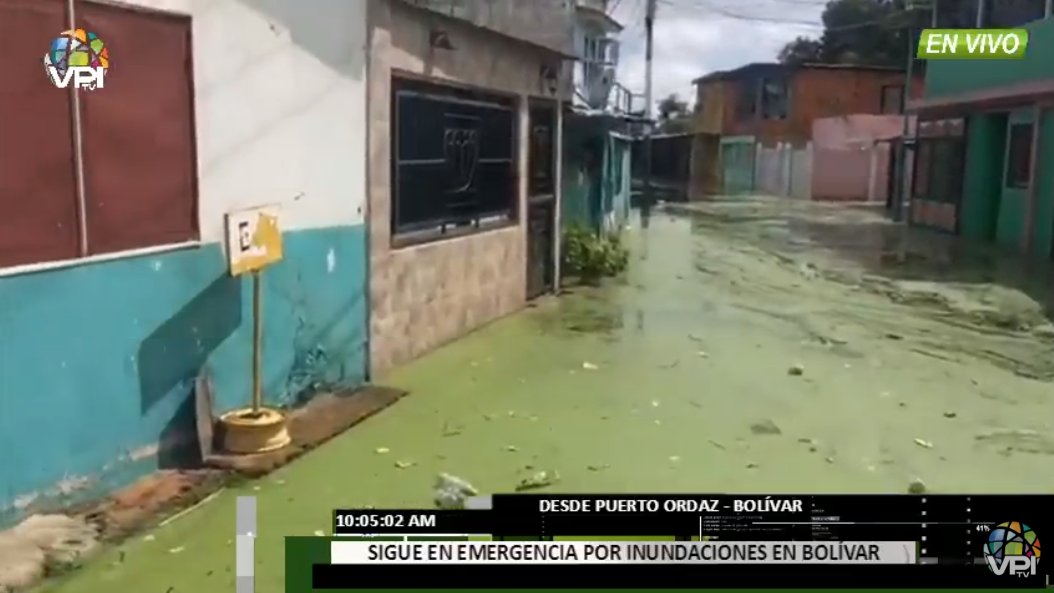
464, 170
986, 140
775, 106
114, 290
597, 147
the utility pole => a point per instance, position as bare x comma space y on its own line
902, 186
902, 191
648, 198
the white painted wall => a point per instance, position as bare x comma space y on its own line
280, 107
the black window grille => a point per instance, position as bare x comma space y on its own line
1019, 157
453, 158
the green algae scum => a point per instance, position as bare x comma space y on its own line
751, 347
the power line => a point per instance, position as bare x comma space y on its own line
710, 9
721, 11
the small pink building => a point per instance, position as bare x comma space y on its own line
852, 156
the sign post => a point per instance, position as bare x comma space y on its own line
254, 242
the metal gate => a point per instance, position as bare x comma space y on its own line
541, 200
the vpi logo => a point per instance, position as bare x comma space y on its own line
77, 56
1012, 548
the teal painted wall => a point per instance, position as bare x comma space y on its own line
99, 359
983, 182
737, 164
950, 77
991, 210
591, 197
578, 187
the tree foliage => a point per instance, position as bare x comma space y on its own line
874, 32
674, 115
871, 32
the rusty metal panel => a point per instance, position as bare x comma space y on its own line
38, 201
139, 154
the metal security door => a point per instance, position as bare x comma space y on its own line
541, 199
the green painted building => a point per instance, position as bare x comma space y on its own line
596, 172
984, 164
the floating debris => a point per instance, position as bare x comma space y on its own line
382, 450
319, 533
765, 427
950, 415
404, 464
924, 443
176, 550
598, 468
702, 354
538, 480
511, 448
675, 458
717, 444
654, 403
451, 491
589, 366
917, 486
752, 466
451, 429
796, 370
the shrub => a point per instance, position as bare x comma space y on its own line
591, 256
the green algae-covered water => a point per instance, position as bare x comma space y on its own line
676, 378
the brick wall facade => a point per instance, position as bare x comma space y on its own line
814, 93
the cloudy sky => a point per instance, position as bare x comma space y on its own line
695, 37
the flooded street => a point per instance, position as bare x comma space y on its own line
754, 346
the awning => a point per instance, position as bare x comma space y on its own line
1003, 97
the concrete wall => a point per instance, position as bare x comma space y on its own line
544, 22
425, 295
853, 173
851, 157
784, 170
98, 357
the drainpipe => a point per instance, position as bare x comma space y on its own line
1033, 179
980, 13
1048, 9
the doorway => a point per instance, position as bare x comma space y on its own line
541, 198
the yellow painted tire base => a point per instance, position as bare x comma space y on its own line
245, 433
